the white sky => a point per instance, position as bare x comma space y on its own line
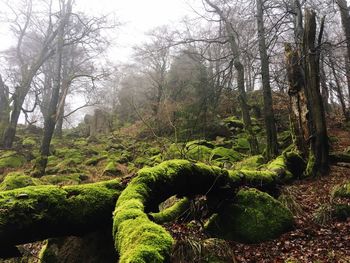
138, 17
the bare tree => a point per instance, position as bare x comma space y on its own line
271, 133
231, 34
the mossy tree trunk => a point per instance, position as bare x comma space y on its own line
307, 110
36, 213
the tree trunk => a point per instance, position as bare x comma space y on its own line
271, 133
39, 212
338, 90
345, 20
51, 119
307, 115
242, 97
4, 107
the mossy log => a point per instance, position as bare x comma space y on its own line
339, 157
138, 239
38, 212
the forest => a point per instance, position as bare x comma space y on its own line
223, 137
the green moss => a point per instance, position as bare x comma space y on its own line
34, 212
241, 144
111, 169
95, 160
18, 180
171, 213
340, 204
29, 142
234, 122
175, 151
342, 191
73, 155
254, 217
199, 152
191, 144
310, 168
222, 154
137, 238
70, 179
11, 159
250, 163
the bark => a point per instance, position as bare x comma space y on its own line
339, 92
269, 117
39, 212
324, 87
51, 118
4, 106
345, 20
242, 97
317, 122
307, 111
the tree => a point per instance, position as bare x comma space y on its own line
231, 35
271, 133
4, 106
345, 20
28, 62
307, 112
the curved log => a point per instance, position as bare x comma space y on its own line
38, 212
138, 239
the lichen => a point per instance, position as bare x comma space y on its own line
254, 217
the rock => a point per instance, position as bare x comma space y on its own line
99, 123
254, 217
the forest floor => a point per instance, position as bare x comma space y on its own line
316, 237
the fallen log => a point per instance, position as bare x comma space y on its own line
38, 212
339, 157
138, 239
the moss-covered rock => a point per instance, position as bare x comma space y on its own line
95, 160
222, 154
29, 142
254, 217
16, 180
111, 169
199, 152
11, 159
63, 179
341, 201
250, 163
